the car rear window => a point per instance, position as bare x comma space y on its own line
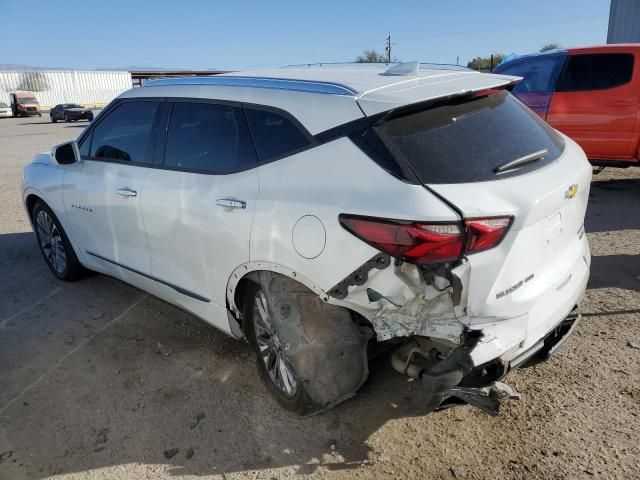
466, 141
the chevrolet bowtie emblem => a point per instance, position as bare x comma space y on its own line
571, 192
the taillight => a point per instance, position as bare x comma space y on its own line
427, 242
485, 233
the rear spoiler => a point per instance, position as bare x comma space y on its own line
436, 88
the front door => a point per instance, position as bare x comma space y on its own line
103, 190
596, 103
198, 207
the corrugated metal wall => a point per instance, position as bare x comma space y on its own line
54, 87
624, 21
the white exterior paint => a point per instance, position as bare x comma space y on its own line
65, 86
174, 231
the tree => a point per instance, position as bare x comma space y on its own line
550, 46
484, 63
371, 56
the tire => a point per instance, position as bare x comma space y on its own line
53, 119
54, 244
298, 401
66, 118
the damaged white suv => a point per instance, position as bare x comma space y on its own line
319, 210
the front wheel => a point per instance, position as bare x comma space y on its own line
53, 119
54, 244
275, 371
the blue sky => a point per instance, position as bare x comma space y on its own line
88, 34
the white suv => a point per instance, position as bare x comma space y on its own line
318, 211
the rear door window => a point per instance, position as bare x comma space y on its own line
598, 71
125, 133
467, 141
539, 73
208, 138
275, 135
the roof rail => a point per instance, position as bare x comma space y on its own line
257, 82
422, 65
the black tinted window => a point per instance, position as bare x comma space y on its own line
125, 133
209, 138
596, 72
466, 141
274, 134
539, 74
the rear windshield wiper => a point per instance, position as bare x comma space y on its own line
521, 161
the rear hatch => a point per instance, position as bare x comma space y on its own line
488, 155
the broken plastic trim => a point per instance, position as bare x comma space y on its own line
360, 275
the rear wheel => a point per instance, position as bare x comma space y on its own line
54, 244
275, 371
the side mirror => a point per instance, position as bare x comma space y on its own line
66, 153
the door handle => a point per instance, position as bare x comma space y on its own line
231, 203
126, 192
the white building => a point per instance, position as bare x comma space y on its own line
94, 89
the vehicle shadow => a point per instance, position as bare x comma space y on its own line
615, 271
96, 373
613, 205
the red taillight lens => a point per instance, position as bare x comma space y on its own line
415, 242
424, 243
485, 233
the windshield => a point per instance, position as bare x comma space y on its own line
72, 105
468, 141
26, 100
3, 105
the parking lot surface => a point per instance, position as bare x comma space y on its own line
101, 380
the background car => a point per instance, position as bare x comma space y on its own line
70, 112
591, 94
24, 104
5, 110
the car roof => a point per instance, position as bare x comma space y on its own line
611, 48
342, 92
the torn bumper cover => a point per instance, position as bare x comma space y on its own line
458, 356
454, 379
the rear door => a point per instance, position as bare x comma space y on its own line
596, 104
198, 206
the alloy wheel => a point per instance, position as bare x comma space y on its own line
271, 349
51, 242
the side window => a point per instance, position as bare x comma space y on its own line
85, 146
597, 71
208, 138
274, 135
539, 74
125, 133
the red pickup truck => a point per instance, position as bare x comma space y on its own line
591, 94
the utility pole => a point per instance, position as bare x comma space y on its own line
388, 48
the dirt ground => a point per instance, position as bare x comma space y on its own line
100, 380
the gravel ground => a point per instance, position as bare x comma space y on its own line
100, 380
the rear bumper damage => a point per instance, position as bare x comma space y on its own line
457, 356
454, 379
